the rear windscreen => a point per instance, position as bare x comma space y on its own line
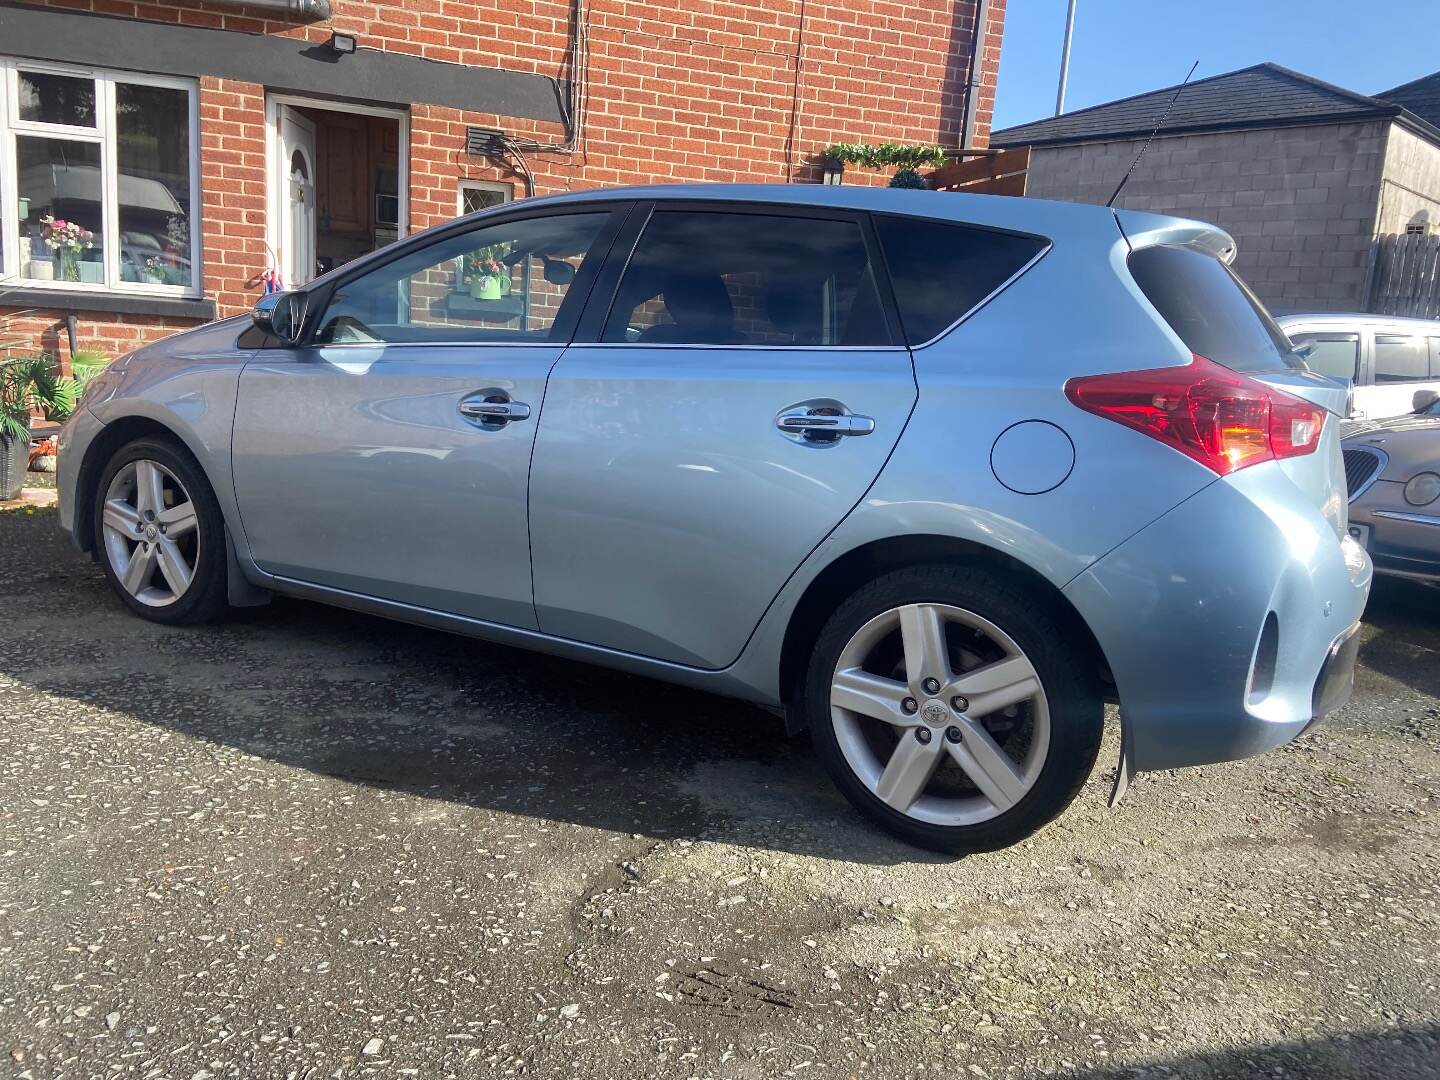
1211, 309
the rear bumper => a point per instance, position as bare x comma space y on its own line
1180, 610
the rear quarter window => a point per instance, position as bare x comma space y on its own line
940, 270
1211, 310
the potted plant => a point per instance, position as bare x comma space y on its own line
906, 159
66, 239
485, 272
27, 383
153, 271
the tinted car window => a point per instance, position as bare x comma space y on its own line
701, 278
941, 271
1214, 313
1400, 358
503, 282
1335, 355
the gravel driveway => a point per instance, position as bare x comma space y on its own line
313, 844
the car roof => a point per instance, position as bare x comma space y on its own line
1044, 216
1358, 318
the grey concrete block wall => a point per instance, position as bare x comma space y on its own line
1301, 202
1411, 191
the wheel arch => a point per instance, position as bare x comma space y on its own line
850, 570
115, 434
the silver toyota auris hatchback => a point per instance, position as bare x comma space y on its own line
936, 474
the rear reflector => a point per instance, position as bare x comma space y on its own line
1220, 418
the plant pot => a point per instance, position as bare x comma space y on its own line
153, 277
14, 460
41, 270
92, 272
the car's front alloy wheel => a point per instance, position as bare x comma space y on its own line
954, 710
159, 533
150, 533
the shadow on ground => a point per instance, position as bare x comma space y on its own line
383, 704
1404, 644
1403, 1054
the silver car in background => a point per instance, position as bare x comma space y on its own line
935, 474
1385, 360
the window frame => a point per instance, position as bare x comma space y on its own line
104, 135
319, 292
1426, 349
505, 191
606, 291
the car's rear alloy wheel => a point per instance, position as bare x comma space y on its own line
159, 533
150, 532
940, 714
954, 709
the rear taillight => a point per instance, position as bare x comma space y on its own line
1220, 418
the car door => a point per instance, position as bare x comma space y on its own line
713, 422
389, 455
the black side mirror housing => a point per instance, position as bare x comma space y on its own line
280, 315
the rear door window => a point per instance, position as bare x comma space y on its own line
1211, 310
941, 271
1401, 358
703, 277
1334, 354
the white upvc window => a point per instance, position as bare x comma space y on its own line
99, 180
481, 195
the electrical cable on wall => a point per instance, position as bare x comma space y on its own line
573, 105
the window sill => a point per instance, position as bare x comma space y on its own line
172, 307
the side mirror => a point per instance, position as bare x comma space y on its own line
281, 315
559, 272
1423, 399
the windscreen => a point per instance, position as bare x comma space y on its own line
1211, 309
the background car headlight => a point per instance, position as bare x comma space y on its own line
1423, 489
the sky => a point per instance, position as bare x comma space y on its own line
1125, 47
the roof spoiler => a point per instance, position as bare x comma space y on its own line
1148, 230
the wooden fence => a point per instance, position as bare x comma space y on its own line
999, 172
1406, 280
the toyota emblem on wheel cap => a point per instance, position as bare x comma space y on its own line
934, 713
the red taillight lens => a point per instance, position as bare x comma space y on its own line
1220, 418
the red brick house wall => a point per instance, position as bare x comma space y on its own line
691, 90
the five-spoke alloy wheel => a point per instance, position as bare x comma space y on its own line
952, 708
159, 534
149, 527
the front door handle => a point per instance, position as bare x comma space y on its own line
490, 411
824, 426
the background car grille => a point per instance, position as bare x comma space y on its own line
1361, 465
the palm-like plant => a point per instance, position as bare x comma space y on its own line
27, 383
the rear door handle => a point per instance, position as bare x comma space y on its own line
812, 424
489, 411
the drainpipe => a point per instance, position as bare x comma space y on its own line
977, 67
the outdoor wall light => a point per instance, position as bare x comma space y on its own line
833, 171
342, 43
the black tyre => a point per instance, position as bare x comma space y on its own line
953, 707
159, 533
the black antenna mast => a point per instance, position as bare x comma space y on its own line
1163, 117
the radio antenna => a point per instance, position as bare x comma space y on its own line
1163, 117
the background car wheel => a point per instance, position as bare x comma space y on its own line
159, 534
952, 708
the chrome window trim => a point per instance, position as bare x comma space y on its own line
1049, 245
1400, 515
1379, 469
596, 345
